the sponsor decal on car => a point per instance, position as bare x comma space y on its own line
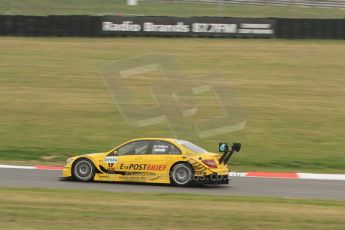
160, 148
110, 160
147, 167
104, 176
141, 175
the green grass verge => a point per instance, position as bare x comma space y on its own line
153, 7
54, 104
62, 209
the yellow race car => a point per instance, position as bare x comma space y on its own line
153, 160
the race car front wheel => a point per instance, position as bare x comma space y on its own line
83, 170
182, 175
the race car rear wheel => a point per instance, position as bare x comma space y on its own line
182, 175
83, 170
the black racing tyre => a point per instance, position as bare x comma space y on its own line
182, 175
83, 170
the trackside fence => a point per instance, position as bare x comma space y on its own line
301, 3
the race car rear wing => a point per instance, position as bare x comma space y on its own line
227, 152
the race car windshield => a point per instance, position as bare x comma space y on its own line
192, 146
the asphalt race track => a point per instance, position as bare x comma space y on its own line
293, 188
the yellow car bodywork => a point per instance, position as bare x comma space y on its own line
151, 167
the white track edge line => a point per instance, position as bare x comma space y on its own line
16, 167
315, 176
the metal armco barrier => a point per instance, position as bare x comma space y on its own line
108, 26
